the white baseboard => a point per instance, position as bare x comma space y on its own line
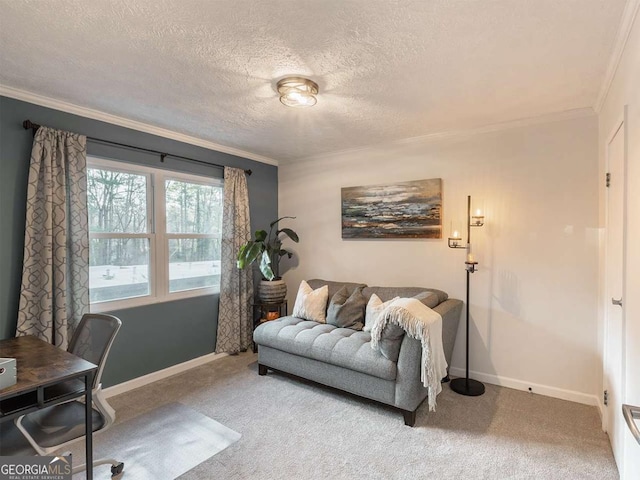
160, 374
545, 390
539, 389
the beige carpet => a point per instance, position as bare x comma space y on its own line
296, 430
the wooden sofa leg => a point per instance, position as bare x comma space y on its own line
409, 417
262, 369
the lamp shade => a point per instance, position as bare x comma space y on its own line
297, 92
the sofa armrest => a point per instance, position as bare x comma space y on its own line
450, 311
409, 389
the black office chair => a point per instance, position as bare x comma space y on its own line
55, 427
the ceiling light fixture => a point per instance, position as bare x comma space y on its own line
297, 92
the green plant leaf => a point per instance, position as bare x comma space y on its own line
242, 255
276, 221
265, 266
268, 248
248, 254
289, 233
243, 248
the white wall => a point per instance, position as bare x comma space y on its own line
534, 300
625, 90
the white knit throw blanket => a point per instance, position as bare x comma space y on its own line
424, 324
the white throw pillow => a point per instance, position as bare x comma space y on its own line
375, 307
311, 304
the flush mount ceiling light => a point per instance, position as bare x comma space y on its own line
297, 92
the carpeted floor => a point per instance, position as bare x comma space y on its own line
188, 439
296, 430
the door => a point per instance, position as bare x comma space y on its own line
614, 282
632, 305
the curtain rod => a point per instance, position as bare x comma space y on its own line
28, 124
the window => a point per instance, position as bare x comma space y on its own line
154, 235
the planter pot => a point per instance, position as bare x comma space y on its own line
272, 291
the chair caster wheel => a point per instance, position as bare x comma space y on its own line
117, 469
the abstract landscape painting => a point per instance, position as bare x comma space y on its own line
400, 210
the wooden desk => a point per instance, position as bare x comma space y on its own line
47, 376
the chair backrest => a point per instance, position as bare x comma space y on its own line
93, 338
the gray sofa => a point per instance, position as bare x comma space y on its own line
343, 358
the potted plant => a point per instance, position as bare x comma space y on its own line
267, 250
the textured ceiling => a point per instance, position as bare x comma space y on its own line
387, 70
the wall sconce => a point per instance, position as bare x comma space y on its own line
467, 386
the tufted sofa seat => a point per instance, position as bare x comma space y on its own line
342, 347
342, 358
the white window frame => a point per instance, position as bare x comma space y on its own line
156, 233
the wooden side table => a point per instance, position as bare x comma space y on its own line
266, 311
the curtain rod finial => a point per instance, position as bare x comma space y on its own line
29, 125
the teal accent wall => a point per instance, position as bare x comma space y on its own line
152, 337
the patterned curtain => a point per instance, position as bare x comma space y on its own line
235, 322
55, 272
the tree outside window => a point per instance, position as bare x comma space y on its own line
151, 243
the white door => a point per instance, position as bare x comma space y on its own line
614, 254
632, 304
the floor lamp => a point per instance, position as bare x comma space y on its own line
467, 386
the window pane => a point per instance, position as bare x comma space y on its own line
193, 263
118, 268
193, 208
117, 201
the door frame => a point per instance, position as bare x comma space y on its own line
621, 123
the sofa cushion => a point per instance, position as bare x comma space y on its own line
430, 299
387, 293
342, 347
311, 303
391, 341
391, 338
392, 335
347, 311
334, 286
374, 309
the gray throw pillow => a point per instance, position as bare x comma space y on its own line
391, 341
430, 299
347, 311
392, 335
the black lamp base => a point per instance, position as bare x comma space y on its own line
469, 387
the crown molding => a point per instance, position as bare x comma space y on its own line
624, 31
55, 104
63, 106
451, 134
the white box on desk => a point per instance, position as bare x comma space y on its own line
8, 374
